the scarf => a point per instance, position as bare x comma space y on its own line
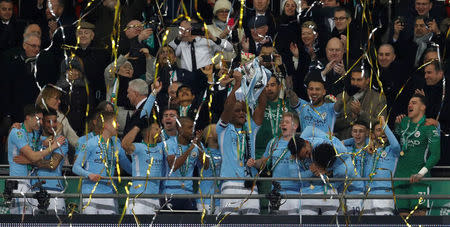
220, 24
421, 46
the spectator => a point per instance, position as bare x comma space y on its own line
223, 25
10, 29
50, 98
98, 162
425, 32
260, 9
288, 28
103, 18
196, 52
437, 111
416, 140
73, 81
332, 68
259, 35
392, 77
137, 93
51, 165
94, 60
361, 103
343, 22
22, 88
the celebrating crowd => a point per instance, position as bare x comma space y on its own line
313, 89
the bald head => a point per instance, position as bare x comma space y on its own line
32, 28
335, 50
386, 55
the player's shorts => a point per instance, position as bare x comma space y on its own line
22, 205
143, 206
314, 206
238, 206
412, 189
100, 206
56, 203
289, 207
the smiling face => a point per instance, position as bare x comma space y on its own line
423, 7
335, 50
50, 124
290, 7
86, 36
166, 55
386, 55
32, 46
53, 102
308, 36
432, 76
341, 20
359, 134
316, 91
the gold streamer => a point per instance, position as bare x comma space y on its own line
126, 202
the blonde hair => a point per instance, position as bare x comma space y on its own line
47, 93
310, 25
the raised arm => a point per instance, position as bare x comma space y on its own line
258, 115
231, 99
147, 109
127, 142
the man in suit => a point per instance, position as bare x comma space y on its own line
137, 94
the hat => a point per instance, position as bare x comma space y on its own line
257, 21
122, 60
86, 25
284, 3
221, 4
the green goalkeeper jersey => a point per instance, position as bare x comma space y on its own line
421, 147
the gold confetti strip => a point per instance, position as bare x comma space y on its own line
126, 202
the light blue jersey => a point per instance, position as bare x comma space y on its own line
342, 167
208, 187
232, 146
141, 159
186, 170
55, 185
280, 164
360, 159
82, 143
99, 158
148, 106
383, 164
322, 117
17, 139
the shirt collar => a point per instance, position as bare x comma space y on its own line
140, 103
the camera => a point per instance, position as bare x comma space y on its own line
267, 58
152, 23
401, 20
197, 29
10, 186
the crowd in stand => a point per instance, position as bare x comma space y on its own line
317, 89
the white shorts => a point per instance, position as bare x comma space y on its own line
382, 206
238, 206
100, 206
22, 205
354, 206
207, 208
289, 207
57, 203
143, 206
312, 206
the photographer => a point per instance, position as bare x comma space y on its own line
195, 52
